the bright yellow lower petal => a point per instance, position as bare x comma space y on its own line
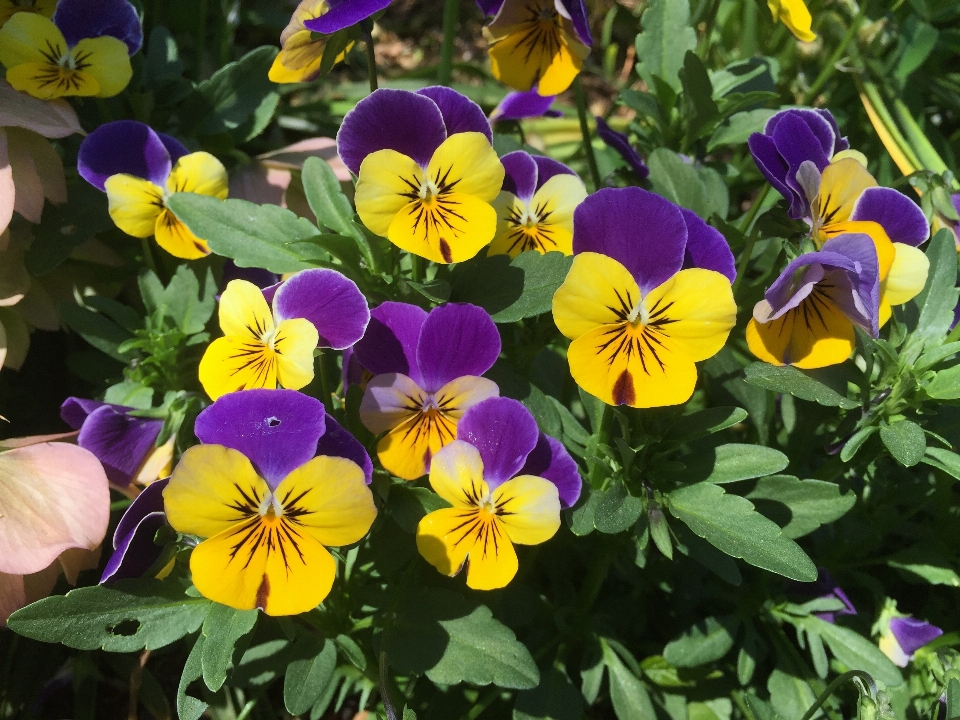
492, 559
885, 250
448, 228
48, 81
795, 15
294, 343
327, 498
815, 334
529, 509
199, 173
444, 538
389, 400
299, 60
461, 394
908, 275
135, 204
244, 311
555, 202
597, 291
696, 309
406, 450
384, 186
564, 66
176, 238
841, 183
237, 363
107, 60
466, 164
208, 489
30, 38
456, 475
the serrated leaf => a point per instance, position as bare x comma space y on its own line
222, 628
308, 676
231, 96
737, 129
616, 510
856, 651
697, 94
731, 523
665, 39
790, 380
905, 440
190, 708
808, 503
945, 384
704, 642
734, 462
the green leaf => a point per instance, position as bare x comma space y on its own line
555, 698
856, 441
409, 505
731, 523
808, 504
705, 642
790, 696
733, 462
698, 95
856, 651
63, 228
917, 564
409, 714
190, 708
232, 95
581, 516
252, 235
437, 291
327, 201
627, 692
664, 41
790, 380
308, 676
182, 300
125, 616
944, 460
918, 40
104, 334
698, 549
739, 127
945, 384
905, 440
223, 627
953, 699
130, 394
616, 510
939, 297
705, 422
453, 639
348, 646
676, 180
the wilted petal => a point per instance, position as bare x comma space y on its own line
50, 118
619, 142
504, 432
7, 188
329, 300
134, 549
519, 105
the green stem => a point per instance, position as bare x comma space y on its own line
451, 19
752, 237
247, 709
831, 65
710, 19
832, 688
603, 438
416, 268
384, 688
325, 382
585, 132
148, 255
371, 60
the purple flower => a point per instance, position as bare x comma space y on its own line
82, 19
904, 636
573, 10
135, 551
128, 147
520, 105
621, 143
427, 369
342, 14
825, 588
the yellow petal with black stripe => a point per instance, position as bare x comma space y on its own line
529, 508
448, 228
244, 311
841, 183
135, 204
31, 38
48, 81
387, 183
8, 8
293, 347
466, 163
107, 61
814, 334
199, 173
597, 291
177, 239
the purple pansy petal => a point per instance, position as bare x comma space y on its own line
900, 216
707, 248
862, 304
336, 441
548, 168
839, 143
174, 147
520, 105
460, 113
504, 432
352, 370
75, 410
390, 343
81, 19
137, 552
620, 143
397, 120
551, 461
277, 430
344, 13
329, 300
123, 147
456, 340
797, 142
577, 12
780, 293
258, 276
774, 168
490, 7
520, 174
643, 232
148, 501
912, 634
120, 442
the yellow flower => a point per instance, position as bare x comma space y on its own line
301, 50
9, 8
793, 14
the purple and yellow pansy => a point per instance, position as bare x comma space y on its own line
84, 50
427, 369
270, 347
427, 173
270, 496
139, 169
506, 483
648, 296
535, 207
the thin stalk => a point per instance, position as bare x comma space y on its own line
325, 382
416, 268
886, 128
923, 148
148, 255
371, 60
451, 19
384, 688
603, 438
832, 688
248, 708
710, 20
752, 237
585, 132
831, 65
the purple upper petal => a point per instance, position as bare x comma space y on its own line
839, 143
457, 339
123, 147
900, 216
642, 231
912, 634
520, 174
331, 301
398, 120
81, 19
352, 370
120, 441
504, 432
548, 167
620, 143
460, 113
577, 11
551, 461
135, 550
489, 7
344, 13
277, 430
390, 342
774, 168
74, 410
176, 148
707, 248
336, 441
520, 105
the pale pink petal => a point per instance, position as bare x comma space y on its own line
3, 345
294, 156
53, 497
12, 596
75, 560
15, 343
28, 200
7, 188
11, 443
50, 118
259, 184
46, 162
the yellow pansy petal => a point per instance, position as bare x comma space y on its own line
299, 60
389, 400
467, 164
908, 275
406, 450
47, 81
850, 153
27, 38
294, 343
529, 509
328, 499
176, 238
456, 475
199, 173
107, 60
631, 365
447, 229
841, 183
207, 487
594, 290
564, 66
492, 561
244, 311
444, 538
696, 309
135, 204
461, 394
795, 15
387, 183
555, 202
237, 363
8, 8
806, 337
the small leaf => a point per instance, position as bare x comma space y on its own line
939, 297
616, 510
351, 651
677, 181
790, 380
222, 628
627, 692
905, 440
705, 422
104, 334
734, 462
705, 642
856, 652
944, 460
945, 384
808, 503
326, 199
738, 128
437, 291
856, 441
307, 677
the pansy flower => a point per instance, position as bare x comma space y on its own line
9, 8
267, 503
427, 369
901, 635
795, 15
139, 169
621, 143
535, 207
648, 295
134, 548
521, 105
124, 443
540, 43
266, 347
506, 483
427, 172
84, 50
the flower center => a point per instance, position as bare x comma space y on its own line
639, 314
271, 509
428, 191
487, 508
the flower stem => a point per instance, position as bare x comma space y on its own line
371, 59
751, 238
325, 382
831, 65
585, 131
451, 19
416, 268
148, 255
832, 688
